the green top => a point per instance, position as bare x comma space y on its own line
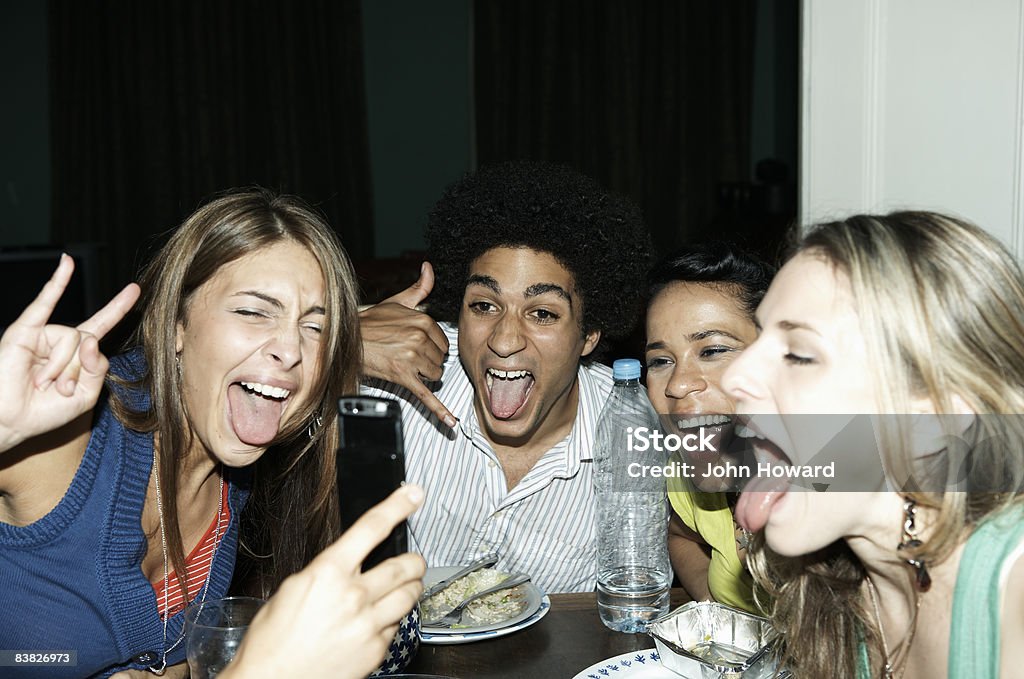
709, 515
974, 633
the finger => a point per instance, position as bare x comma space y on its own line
428, 369
101, 322
386, 576
387, 634
427, 277
62, 345
350, 550
38, 312
426, 354
417, 332
68, 379
428, 361
427, 324
94, 365
432, 403
437, 338
396, 604
414, 295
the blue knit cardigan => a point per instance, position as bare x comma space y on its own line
71, 582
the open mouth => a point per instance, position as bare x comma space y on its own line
766, 451
255, 411
763, 492
508, 391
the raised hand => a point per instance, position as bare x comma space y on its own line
52, 373
329, 619
405, 346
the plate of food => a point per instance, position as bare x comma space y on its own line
497, 614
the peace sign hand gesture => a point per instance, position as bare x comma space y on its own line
52, 373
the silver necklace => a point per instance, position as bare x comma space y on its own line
889, 671
163, 547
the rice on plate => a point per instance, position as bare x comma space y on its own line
488, 610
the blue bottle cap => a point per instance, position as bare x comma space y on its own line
626, 369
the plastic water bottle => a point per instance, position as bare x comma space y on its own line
633, 569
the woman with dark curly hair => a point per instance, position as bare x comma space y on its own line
537, 267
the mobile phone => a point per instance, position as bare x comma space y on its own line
370, 465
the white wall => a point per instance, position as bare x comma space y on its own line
914, 103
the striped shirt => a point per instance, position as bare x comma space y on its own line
543, 526
197, 563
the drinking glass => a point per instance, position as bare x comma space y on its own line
214, 631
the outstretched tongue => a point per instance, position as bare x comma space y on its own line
254, 418
756, 501
508, 395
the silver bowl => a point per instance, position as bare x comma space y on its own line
709, 640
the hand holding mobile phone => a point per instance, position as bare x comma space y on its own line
370, 465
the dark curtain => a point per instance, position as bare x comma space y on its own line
156, 106
652, 98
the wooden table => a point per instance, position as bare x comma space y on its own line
569, 639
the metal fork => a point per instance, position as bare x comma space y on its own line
483, 562
455, 615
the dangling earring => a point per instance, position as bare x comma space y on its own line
910, 541
177, 365
314, 426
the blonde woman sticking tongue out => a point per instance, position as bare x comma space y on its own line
916, 315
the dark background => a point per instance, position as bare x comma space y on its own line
122, 117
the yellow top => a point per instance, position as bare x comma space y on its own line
708, 515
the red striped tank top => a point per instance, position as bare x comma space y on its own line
198, 564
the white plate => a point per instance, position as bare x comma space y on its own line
464, 637
537, 606
645, 664
530, 591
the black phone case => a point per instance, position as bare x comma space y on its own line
370, 465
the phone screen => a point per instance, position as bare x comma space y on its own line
371, 464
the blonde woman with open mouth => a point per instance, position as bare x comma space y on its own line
920, 316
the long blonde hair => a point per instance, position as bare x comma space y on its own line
941, 306
292, 512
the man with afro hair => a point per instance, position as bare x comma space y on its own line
535, 269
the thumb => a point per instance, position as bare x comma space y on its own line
94, 364
414, 295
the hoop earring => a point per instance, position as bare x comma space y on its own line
910, 541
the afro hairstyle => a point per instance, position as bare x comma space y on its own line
599, 237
